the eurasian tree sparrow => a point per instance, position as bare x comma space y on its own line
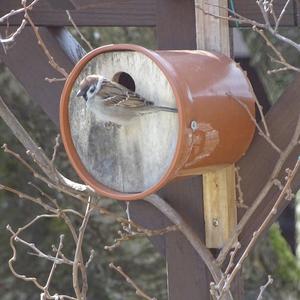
111, 102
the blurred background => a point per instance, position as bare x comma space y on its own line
276, 254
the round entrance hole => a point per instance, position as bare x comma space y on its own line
124, 79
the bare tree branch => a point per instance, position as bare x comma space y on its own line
243, 20
11, 38
250, 211
78, 261
78, 31
52, 62
191, 236
265, 134
257, 234
38, 154
138, 290
264, 287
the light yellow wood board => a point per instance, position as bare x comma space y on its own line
220, 212
219, 196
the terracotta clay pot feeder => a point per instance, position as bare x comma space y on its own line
211, 128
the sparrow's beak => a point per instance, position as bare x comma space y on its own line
80, 93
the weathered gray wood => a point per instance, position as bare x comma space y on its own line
30, 66
133, 157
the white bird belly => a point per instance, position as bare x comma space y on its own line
104, 113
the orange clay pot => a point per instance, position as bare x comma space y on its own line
214, 100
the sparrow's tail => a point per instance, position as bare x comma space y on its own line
154, 109
167, 109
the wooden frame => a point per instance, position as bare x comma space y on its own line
175, 24
133, 12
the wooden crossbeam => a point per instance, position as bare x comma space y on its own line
99, 13
62, 4
30, 65
131, 13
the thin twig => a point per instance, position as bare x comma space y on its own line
235, 17
13, 259
81, 295
92, 255
55, 179
14, 12
261, 4
265, 134
264, 287
189, 233
47, 285
51, 80
138, 290
127, 236
230, 265
37, 252
55, 148
78, 31
41, 43
281, 15
281, 60
272, 11
265, 190
22, 195
286, 64
13, 36
264, 225
128, 215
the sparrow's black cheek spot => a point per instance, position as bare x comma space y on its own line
124, 79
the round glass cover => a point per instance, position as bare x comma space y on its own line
126, 146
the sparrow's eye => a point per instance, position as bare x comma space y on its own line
92, 90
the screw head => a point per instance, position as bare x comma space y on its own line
215, 222
194, 125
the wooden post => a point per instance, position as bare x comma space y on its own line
188, 277
219, 185
219, 205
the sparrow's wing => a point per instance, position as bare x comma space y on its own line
115, 94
